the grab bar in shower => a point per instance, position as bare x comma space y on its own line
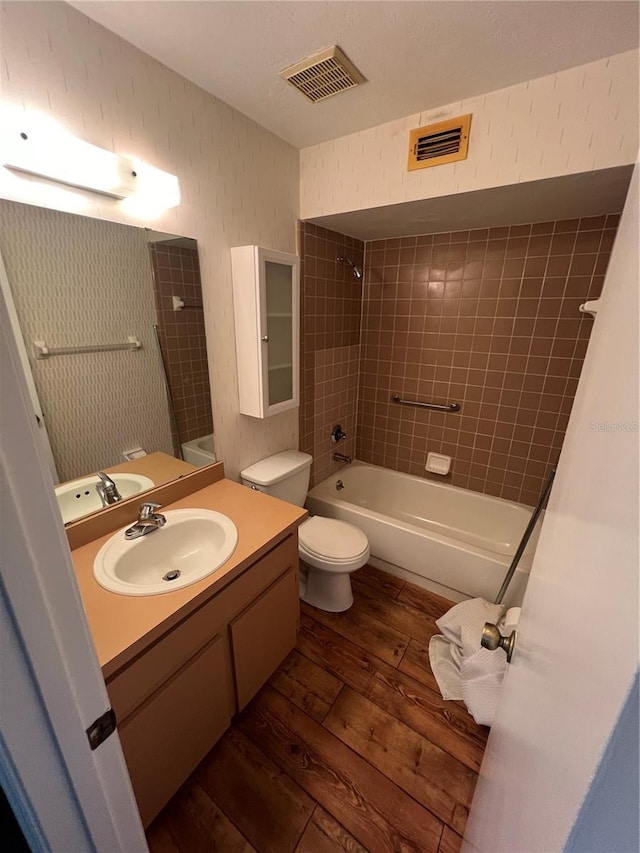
437, 407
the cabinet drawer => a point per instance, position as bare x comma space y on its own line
264, 634
133, 684
167, 737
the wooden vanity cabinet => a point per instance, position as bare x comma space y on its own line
165, 739
175, 700
264, 634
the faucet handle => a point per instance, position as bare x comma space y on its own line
147, 510
338, 434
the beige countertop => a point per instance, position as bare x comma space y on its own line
123, 625
158, 466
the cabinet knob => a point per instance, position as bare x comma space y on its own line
265, 339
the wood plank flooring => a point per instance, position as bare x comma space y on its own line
349, 747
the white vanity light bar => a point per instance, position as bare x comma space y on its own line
69, 160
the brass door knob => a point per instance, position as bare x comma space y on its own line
492, 639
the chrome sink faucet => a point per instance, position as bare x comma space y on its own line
148, 521
107, 490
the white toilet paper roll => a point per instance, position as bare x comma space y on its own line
511, 618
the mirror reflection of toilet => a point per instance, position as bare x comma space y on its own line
330, 550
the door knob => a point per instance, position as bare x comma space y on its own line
492, 639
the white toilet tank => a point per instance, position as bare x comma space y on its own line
284, 475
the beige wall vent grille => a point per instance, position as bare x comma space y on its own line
323, 74
440, 143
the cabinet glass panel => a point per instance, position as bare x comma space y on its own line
279, 296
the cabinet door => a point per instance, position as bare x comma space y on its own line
264, 634
266, 308
166, 738
279, 310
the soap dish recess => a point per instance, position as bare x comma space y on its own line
437, 463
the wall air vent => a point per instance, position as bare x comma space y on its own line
440, 143
322, 75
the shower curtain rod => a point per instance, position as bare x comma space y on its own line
526, 536
167, 387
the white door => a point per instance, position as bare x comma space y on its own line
67, 797
42, 433
577, 644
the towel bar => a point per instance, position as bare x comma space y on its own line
438, 407
43, 351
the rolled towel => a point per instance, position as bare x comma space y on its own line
482, 673
481, 696
469, 614
444, 659
511, 618
461, 628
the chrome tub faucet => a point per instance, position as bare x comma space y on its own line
342, 457
148, 521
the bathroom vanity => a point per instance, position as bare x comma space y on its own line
178, 666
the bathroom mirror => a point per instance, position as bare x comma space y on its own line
109, 321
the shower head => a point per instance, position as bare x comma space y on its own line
357, 271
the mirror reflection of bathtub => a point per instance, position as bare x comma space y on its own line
199, 451
86, 287
453, 541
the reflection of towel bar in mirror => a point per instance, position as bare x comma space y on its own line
179, 303
43, 351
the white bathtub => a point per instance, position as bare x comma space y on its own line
199, 451
453, 541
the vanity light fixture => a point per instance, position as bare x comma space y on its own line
70, 161
36, 145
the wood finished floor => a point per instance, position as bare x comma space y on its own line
349, 747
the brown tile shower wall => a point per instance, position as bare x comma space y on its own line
487, 318
177, 272
330, 301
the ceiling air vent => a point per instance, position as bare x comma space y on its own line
323, 74
440, 143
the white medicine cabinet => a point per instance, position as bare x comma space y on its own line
266, 307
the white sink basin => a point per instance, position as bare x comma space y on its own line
193, 544
79, 497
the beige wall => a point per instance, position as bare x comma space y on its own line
79, 282
239, 182
577, 120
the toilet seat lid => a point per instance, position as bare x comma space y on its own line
331, 539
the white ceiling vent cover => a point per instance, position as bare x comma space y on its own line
322, 75
440, 143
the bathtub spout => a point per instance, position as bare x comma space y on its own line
341, 457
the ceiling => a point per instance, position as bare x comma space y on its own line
415, 55
566, 197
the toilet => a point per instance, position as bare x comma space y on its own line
329, 550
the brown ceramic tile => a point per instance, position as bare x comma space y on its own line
183, 338
488, 317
